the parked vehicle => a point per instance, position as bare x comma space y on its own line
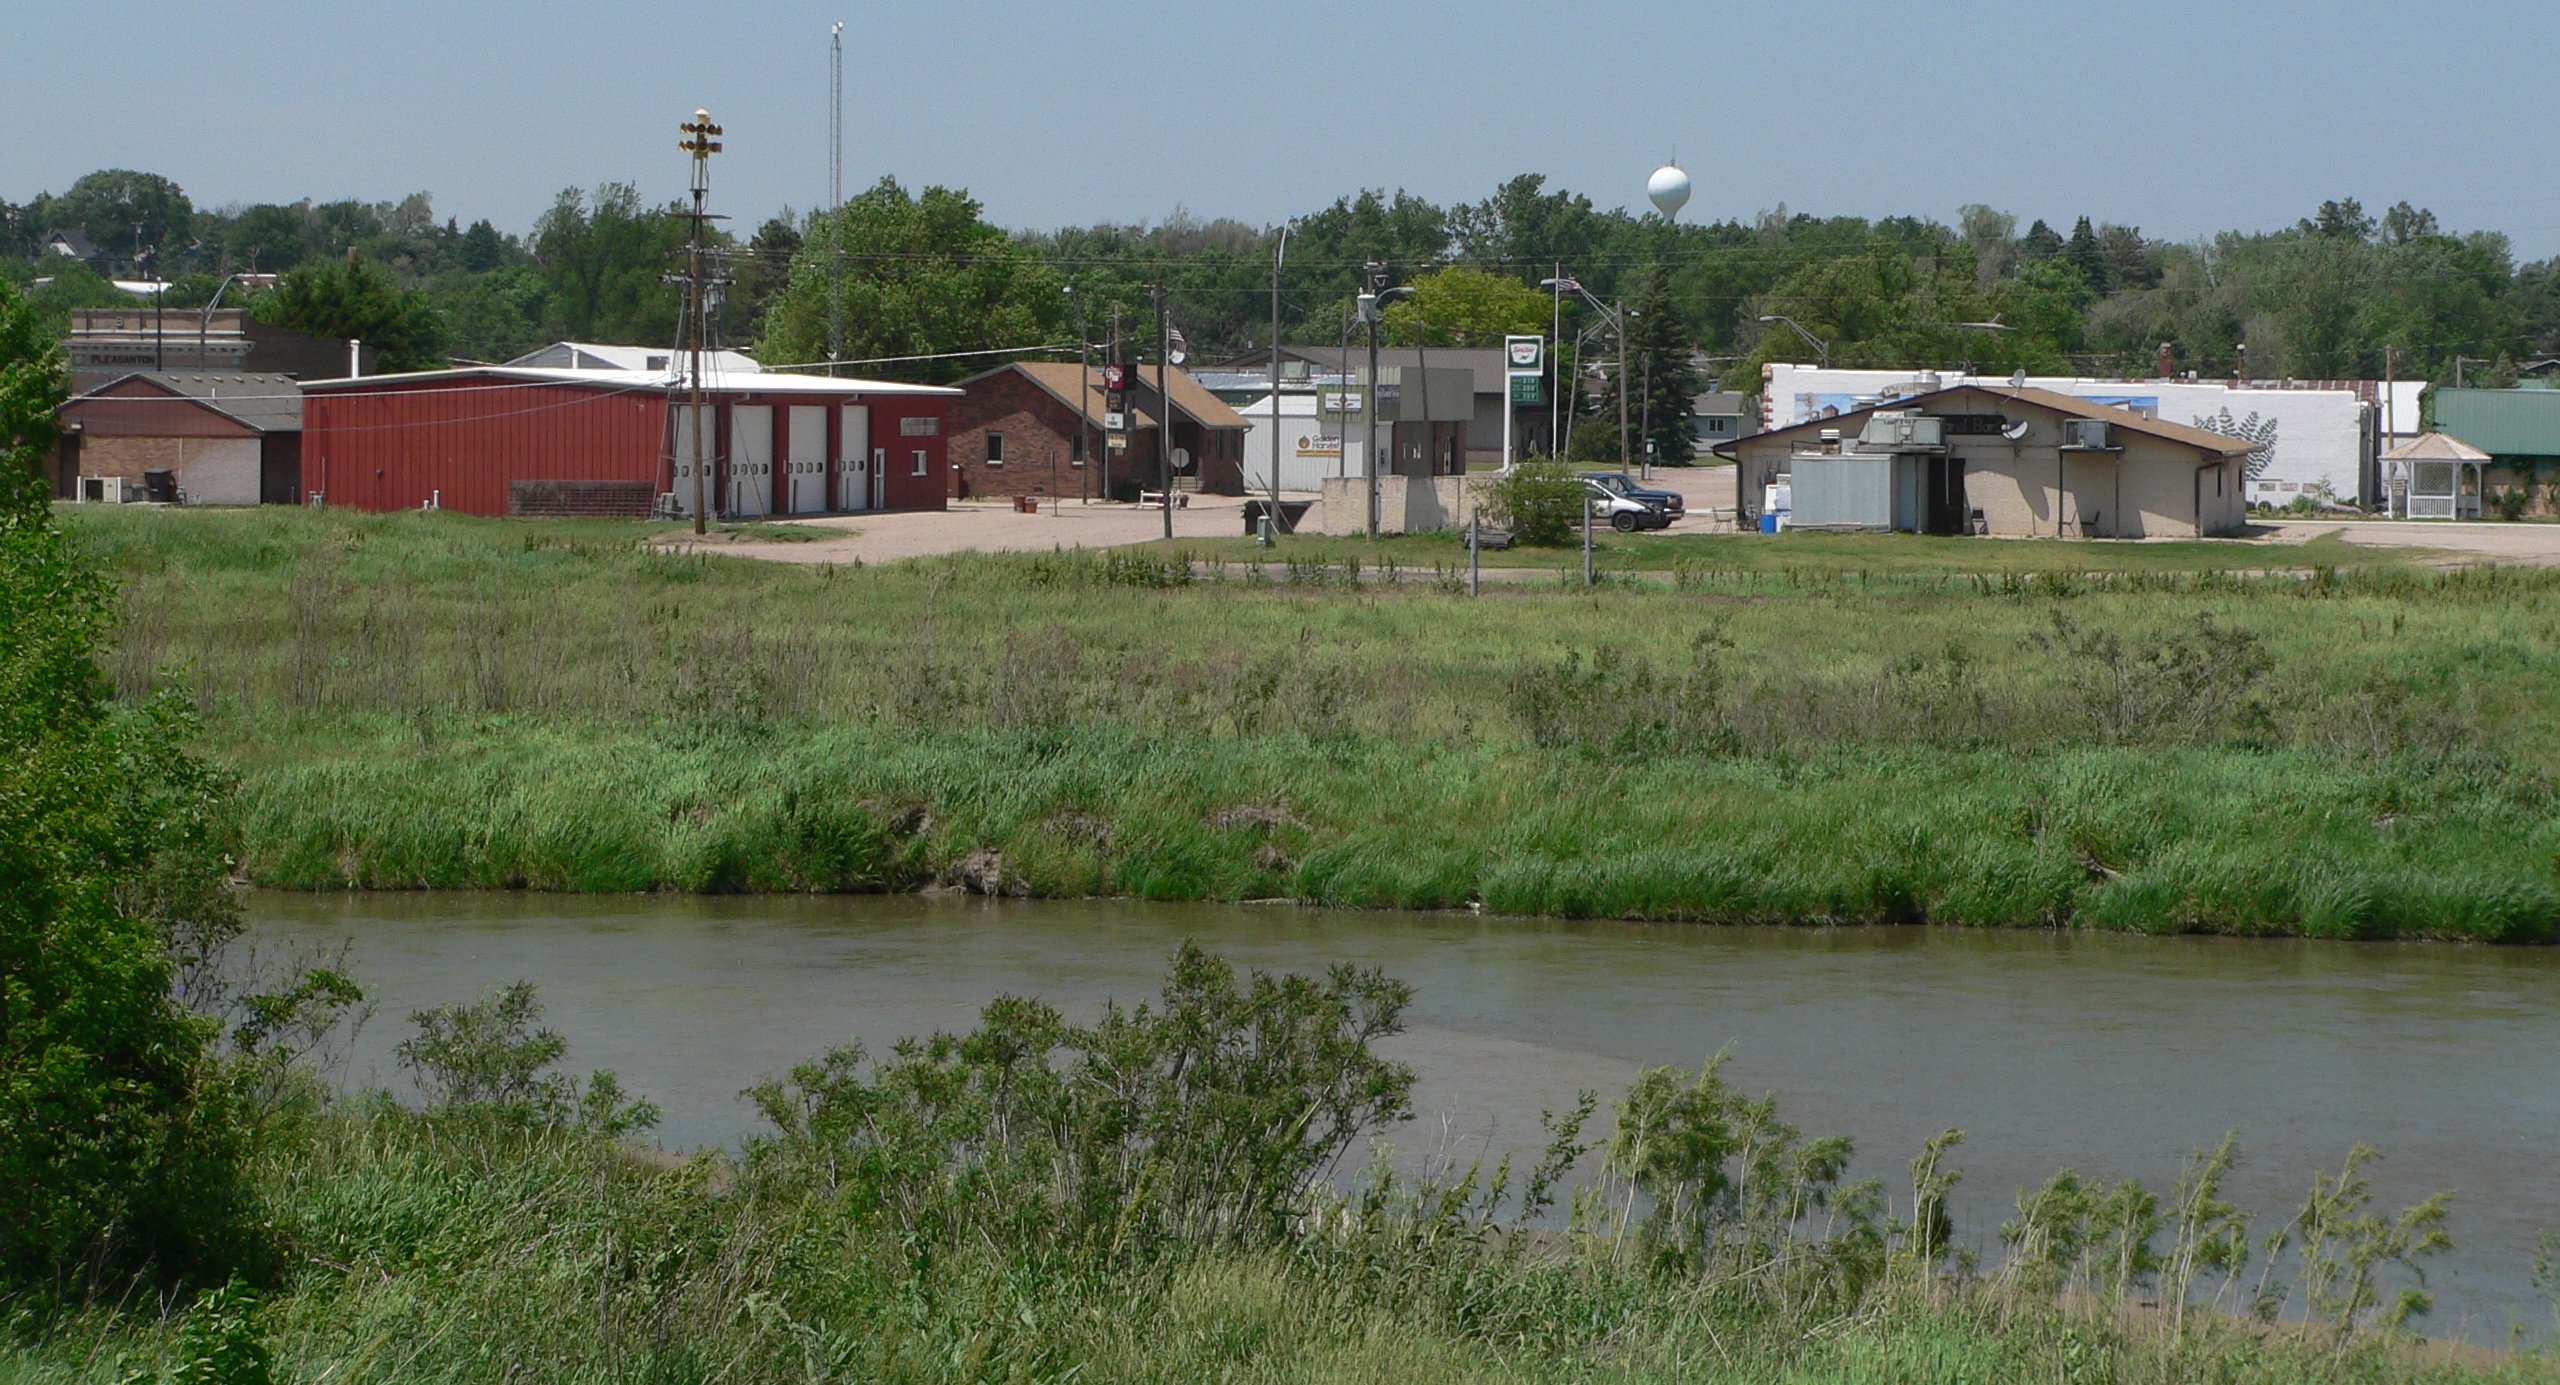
1629, 507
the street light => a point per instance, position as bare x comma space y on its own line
1818, 344
1373, 303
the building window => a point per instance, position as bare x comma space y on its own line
919, 427
1075, 449
923, 467
995, 449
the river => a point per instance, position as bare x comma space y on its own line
2112, 1055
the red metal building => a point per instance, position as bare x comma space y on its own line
498, 440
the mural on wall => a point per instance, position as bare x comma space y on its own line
2250, 429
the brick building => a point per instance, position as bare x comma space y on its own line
1017, 430
209, 437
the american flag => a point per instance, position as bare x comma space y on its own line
1180, 347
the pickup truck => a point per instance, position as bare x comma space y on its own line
1629, 506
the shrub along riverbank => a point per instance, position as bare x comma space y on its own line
427, 700
1147, 1196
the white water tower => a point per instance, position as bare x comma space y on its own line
1669, 189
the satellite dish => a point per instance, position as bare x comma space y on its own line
1669, 189
2015, 430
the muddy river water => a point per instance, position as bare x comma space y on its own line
2114, 1056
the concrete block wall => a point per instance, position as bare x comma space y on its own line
580, 499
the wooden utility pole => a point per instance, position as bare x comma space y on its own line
698, 142
1622, 384
1164, 409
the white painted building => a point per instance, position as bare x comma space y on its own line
1311, 448
2323, 433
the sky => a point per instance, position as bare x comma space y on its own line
2180, 117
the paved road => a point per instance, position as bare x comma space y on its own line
976, 525
994, 526
2494, 541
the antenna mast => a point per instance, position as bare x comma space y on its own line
835, 196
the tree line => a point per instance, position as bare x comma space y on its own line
894, 275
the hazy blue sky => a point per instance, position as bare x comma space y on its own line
2180, 117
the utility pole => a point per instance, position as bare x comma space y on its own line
1112, 358
835, 197
1278, 254
1622, 385
1374, 277
1164, 409
699, 142
1084, 393
1555, 349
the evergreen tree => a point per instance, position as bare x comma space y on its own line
2087, 256
1663, 360
2042, 242
482, 248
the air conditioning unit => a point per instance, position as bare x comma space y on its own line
1903, 431
108, 490
2094, 434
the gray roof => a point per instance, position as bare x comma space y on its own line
267, 402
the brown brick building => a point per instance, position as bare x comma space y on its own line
1017, 431
219, 437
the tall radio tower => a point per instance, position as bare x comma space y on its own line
835, 196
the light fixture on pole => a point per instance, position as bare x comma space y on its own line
1372, 311
1818, 343
699, 142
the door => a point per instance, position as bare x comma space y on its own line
853, 453
808, 459
750, 460
689, 445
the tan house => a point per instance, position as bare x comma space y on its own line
2002, 460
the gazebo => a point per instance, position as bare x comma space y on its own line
2438, 476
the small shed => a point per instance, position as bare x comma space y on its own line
196, 437
2439, 476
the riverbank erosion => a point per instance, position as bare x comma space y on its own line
1838, 732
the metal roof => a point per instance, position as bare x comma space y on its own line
588, 355
269, 403
2503, 423
2219, 444
646, 381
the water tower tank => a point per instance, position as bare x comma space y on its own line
1669, 189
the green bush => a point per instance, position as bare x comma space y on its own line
1539, 501
118, 1145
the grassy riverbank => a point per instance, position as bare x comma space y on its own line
1144, 1197
436, 700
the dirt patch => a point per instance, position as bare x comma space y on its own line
1269, 819
1084, 829
985, 871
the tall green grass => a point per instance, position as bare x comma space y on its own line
428, 700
